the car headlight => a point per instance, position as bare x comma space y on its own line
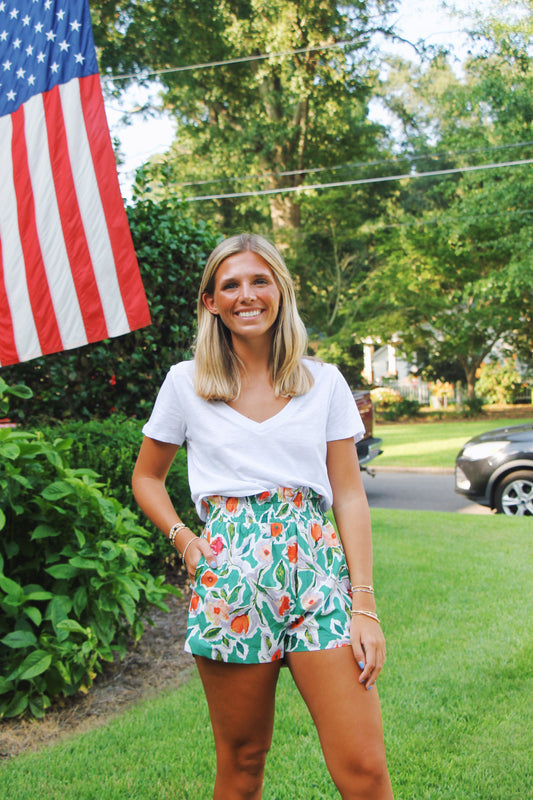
473, 452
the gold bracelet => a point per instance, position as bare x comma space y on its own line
370, 614
368, 589
175, 529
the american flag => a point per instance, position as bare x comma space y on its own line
68, 271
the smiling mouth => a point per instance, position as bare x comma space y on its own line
249, 314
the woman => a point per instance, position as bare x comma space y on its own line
271, 445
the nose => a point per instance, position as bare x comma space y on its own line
247, 293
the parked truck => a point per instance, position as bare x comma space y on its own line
369, 447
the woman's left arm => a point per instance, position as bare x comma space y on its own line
352, 515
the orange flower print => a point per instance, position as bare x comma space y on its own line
205, 506
240, 624
194, 601
283, 605
292, 551
276, 528
316, 531
299, 500
276, 656
264, 496
231, 504
208, 578
310, 600
217, 611
330, 536
297, 622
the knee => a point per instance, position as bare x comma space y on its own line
363, 775
250, 759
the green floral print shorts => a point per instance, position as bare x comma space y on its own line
281, 584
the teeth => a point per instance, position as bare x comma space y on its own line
249, 313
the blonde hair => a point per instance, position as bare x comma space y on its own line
218, 368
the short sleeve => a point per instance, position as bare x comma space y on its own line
344, 419
167, 422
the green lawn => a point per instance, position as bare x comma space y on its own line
431, 444
454, 594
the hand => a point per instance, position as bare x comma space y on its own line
368, 644
194, 551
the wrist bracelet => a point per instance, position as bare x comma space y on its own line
187, 546
175, 529
368, 589
370, 614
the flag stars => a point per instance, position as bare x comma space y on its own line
54, 67
75, 25
2, 6
20, 73
6, 65
64, 46
16, 44
26, 21
48, 5
40, 58
51, 36
3, 36
60, 15
29, 50
11, 95
79, 58
31, 80
14, 13
39, 27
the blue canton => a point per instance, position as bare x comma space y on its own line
43, 43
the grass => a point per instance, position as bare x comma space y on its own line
435, 444
456, 693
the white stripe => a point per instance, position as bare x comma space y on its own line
25, 332
49, 229
91, 210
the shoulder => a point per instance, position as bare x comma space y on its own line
321, 370
183, 370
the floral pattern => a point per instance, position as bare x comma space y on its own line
281, 584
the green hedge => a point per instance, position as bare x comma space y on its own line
74, 576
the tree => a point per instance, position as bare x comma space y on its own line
273, 117
124, 374
457, 257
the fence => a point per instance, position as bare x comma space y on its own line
421, 392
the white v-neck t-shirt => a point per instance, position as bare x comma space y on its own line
231, 455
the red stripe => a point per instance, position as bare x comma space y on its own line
38, 289
8, 349
71, 221
128, 275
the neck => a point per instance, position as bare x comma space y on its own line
255, 354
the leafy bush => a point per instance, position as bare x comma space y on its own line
390, 405
110, 447
124, 373
499, 383
73, 583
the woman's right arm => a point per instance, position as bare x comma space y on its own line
148, 484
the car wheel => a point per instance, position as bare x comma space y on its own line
514, 495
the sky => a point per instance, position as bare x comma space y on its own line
143, 138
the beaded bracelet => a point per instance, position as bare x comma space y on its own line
366, 614
175, 529
368, 589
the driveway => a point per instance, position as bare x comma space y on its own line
418, 490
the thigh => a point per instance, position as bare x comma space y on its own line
347, 716
241, 701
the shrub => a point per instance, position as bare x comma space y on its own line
498, 383
389, 404
73, 583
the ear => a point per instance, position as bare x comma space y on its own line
207, 300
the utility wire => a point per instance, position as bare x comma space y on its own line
358, 182
241, 60
354, 165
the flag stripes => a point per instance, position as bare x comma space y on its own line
64, 221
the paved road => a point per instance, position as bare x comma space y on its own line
421, 491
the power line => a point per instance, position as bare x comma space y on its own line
359, 181
241, 60
354, 165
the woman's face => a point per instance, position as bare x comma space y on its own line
246, 296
